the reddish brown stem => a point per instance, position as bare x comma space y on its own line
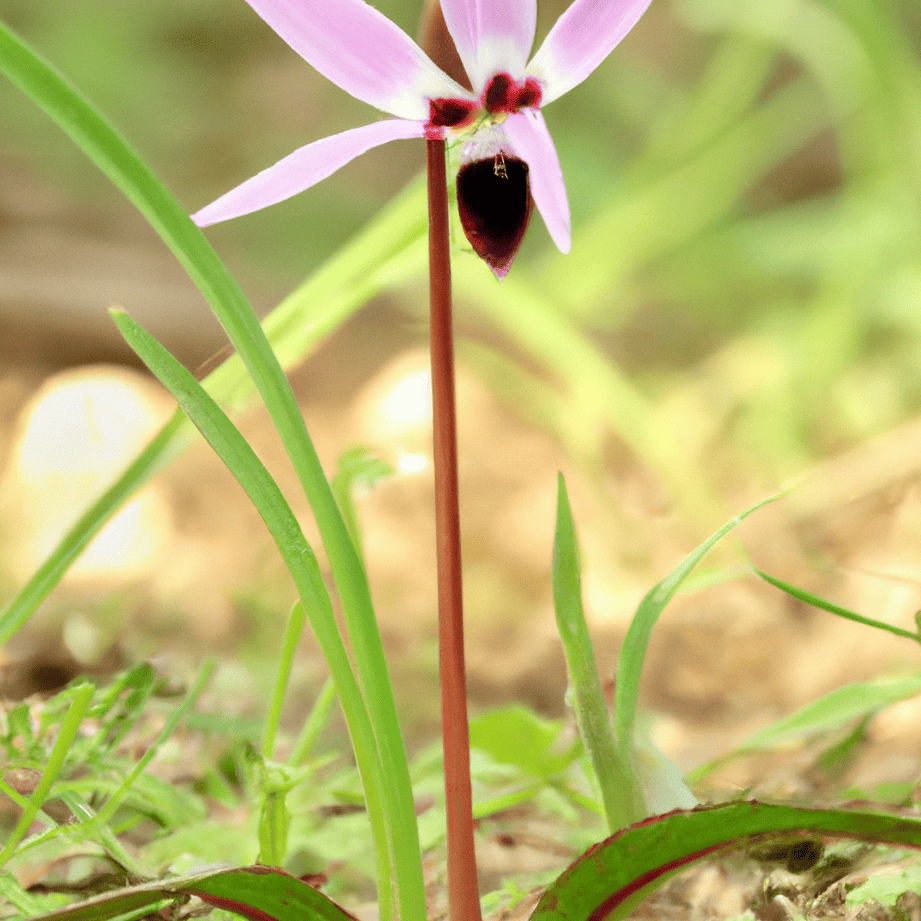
463, 895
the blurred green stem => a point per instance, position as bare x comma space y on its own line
313, 726
295, 627
620, 790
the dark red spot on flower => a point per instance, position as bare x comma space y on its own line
450, 113
500, 94
529, 94
495, 204
503, 94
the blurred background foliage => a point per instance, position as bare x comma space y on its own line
741, 306
743, 295
742, 303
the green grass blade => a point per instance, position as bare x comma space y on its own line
85, 818
83, 695
388, 249
633, 650
837, 610
385, 251
293, 630
14, 795
27, 904
146, 465
313, 725
88, 827
122, 705
241, 460
169, 727
357, 468
620, 791
391, 248
835, 709
77, 117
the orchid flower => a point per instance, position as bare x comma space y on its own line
508, 161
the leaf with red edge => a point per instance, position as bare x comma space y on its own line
267, 894
259, 893
613, 877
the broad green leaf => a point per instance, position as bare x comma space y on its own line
514, 735
886, 888
267, 894
613, 877
261, 893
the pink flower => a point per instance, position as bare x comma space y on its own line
508, 158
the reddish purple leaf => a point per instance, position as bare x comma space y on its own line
612, 877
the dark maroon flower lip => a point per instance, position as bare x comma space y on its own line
495, 205
493, 193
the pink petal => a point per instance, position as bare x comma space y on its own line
580, 40
362, 51
491, 36
304, 168
530, 139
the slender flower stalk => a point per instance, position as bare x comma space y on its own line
463, 895
508, 165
